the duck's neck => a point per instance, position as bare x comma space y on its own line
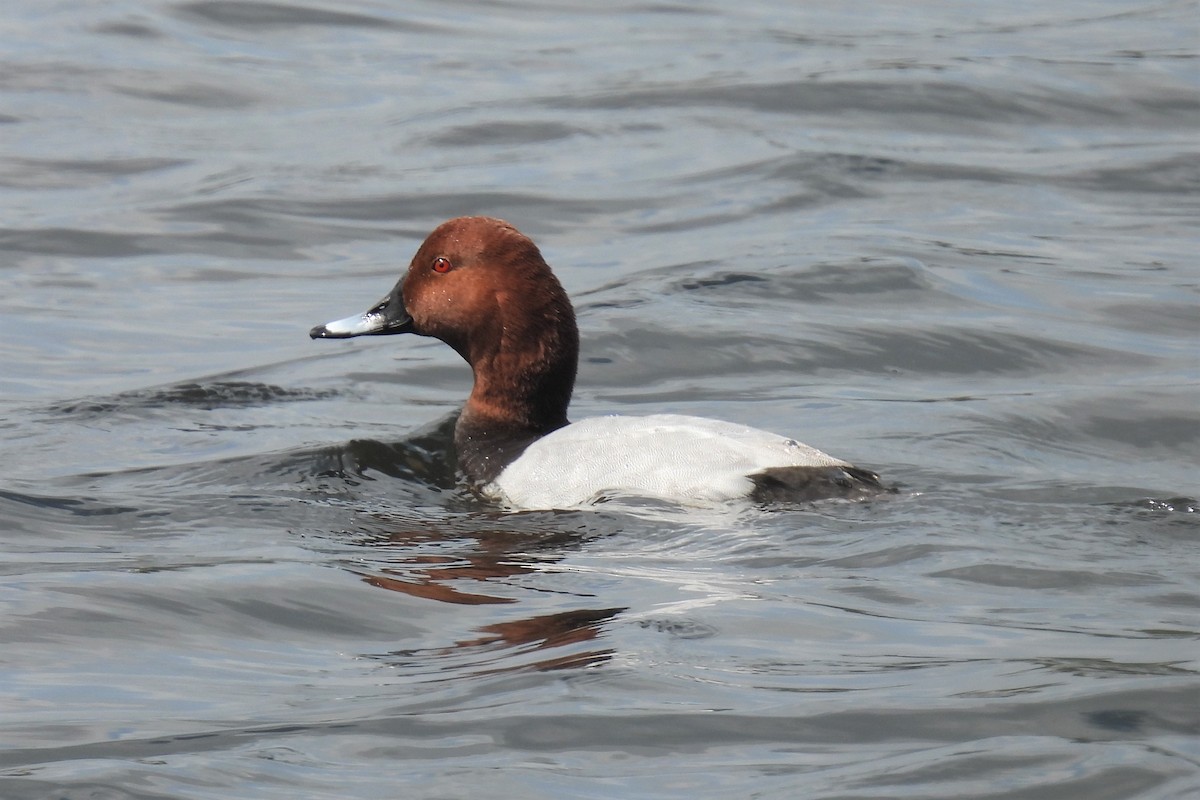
521, 392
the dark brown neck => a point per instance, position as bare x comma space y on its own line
522, 390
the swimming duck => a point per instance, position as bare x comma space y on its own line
482, 287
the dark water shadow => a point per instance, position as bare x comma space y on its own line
207, 395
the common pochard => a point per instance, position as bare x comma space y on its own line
482, 287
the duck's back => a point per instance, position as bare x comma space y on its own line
666, 456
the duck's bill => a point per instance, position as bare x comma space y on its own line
386, 317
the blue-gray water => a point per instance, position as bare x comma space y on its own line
953, 242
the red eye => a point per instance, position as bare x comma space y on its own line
442, 265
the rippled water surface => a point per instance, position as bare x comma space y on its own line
953, 242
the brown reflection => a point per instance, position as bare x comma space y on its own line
552, 630
480, 558
429, 588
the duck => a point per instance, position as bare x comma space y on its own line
482, 287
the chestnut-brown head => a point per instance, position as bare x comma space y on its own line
482, 287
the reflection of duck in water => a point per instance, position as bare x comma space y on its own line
494, 555
483, 288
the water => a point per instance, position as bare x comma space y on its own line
955, 243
